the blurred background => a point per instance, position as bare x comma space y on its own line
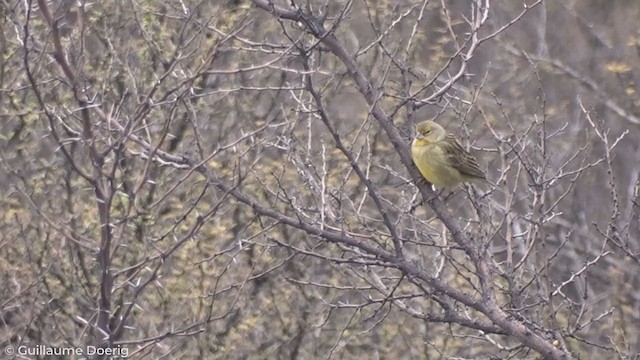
177, 177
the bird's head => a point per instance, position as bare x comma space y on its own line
429, 132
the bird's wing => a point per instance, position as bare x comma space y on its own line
460, 158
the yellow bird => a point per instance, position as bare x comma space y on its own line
440, 157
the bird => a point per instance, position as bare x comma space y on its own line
440, 157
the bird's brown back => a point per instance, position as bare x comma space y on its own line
461, 160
